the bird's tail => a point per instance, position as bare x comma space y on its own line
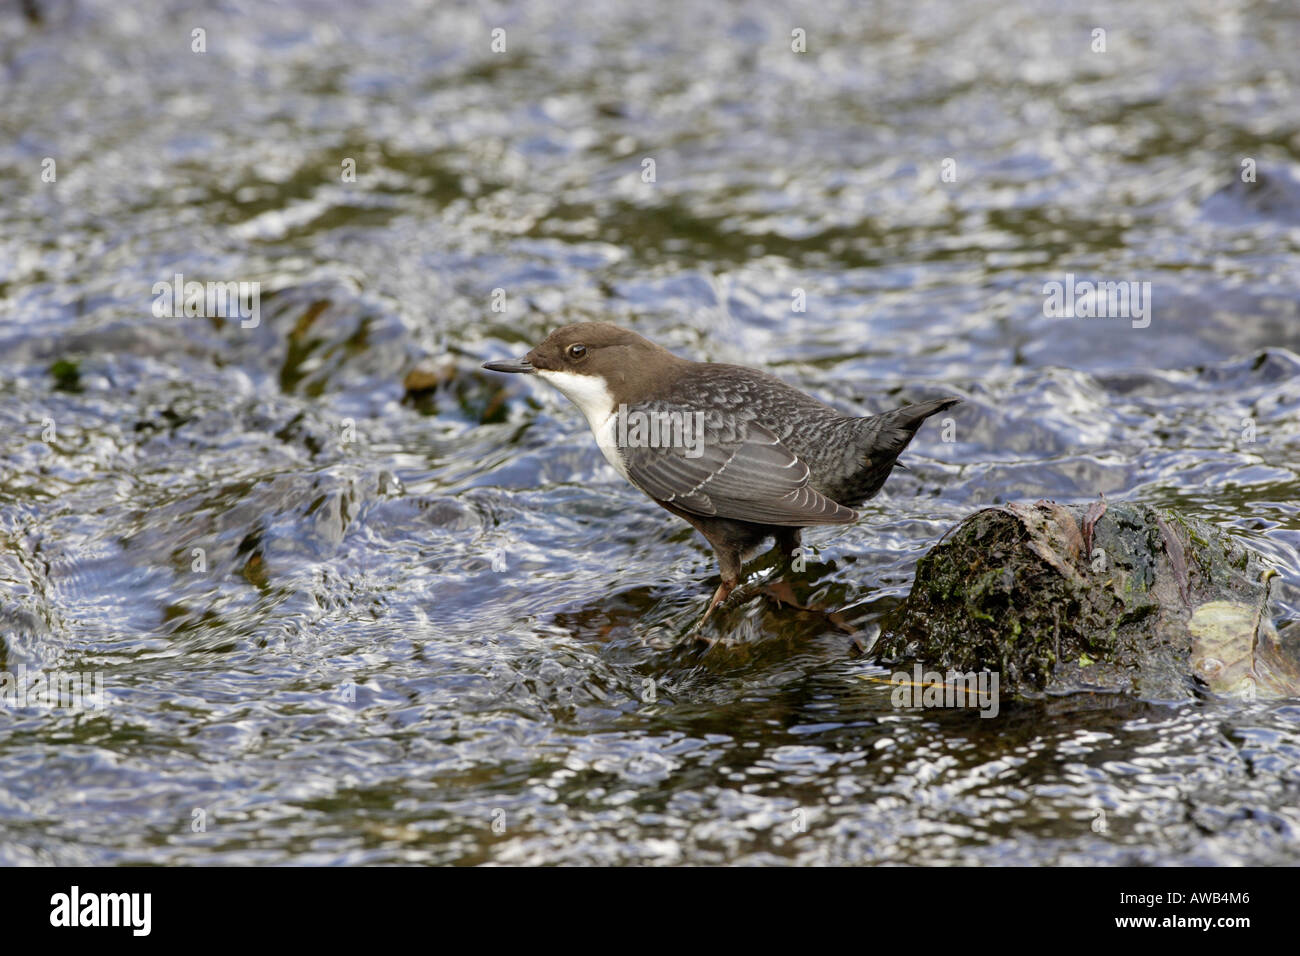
908, 419
886, 436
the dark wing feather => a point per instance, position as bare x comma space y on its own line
741, 470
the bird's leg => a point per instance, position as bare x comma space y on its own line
789, 543
784, 557
730, 563
787, 547
720, 595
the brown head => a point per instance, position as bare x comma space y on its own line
580, 359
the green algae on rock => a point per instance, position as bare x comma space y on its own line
1113, 597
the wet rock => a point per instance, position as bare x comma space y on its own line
480, 398
1236, 650
1119, 598
425, 377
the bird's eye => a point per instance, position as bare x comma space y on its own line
576, 351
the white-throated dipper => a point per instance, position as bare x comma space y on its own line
736, 452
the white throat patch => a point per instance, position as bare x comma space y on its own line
593, 399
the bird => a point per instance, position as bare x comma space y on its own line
735, 452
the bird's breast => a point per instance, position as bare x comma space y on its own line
606, 432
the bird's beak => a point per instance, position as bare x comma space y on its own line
518, 365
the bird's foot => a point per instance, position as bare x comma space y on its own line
720, 595
779, 591
782, 593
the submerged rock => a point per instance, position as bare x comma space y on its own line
1118, 598
1236, 650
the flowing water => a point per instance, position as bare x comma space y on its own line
354, 600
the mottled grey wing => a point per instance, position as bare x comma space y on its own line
739, 470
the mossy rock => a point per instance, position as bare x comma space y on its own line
1119, 598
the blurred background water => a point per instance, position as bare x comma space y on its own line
355, 600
